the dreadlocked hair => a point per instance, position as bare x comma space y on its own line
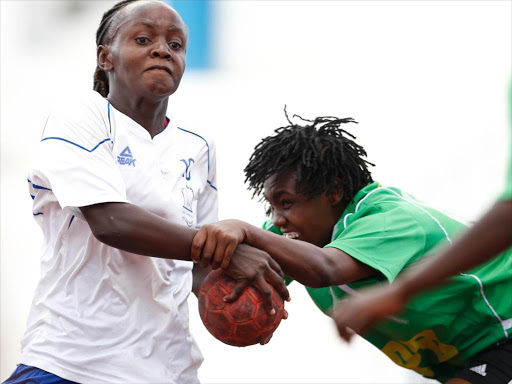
323, 154
102, 36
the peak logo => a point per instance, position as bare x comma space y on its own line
126, 157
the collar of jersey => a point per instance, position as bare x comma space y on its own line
139, 129
351, 207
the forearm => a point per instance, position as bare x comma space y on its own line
136, 230
308, 264
491, 235
199, 274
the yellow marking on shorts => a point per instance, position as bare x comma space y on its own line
406, 353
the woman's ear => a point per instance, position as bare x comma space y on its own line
336, 196
104, 58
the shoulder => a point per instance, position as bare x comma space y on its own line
87, 111
378, 204
192, 133
383, 199
82, 103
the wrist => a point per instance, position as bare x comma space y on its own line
247, 233
404, 289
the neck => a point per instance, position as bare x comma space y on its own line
149, 114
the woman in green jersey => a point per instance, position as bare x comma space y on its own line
350, 232
491, 235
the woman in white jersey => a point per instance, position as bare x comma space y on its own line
114, 180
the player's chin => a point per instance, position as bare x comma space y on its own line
162, 88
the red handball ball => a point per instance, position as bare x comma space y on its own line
243, 322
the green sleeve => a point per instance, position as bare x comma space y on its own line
385, 240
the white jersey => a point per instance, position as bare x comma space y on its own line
100, 314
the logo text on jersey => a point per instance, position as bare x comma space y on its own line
126, 157
188, 209
187, 163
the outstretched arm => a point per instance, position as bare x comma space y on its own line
310, 265
136, 230
489, 236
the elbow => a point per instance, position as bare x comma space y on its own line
108, 232
110, 223
320, 276
326, 273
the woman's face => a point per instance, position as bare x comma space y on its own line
146, 56
311, 220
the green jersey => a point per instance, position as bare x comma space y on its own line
440, 330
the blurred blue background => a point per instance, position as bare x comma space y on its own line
199, 17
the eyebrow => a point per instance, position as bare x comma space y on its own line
275, 195
153, 25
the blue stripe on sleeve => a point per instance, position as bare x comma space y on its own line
35, 186
75, 144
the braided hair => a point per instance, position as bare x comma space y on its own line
103, 36
323, 154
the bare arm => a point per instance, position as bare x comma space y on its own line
310, 265
199, 274
134, 229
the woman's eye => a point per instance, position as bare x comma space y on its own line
286, 204
142, 40
175, 45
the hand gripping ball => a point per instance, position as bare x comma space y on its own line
243, 322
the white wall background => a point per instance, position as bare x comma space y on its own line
427, 82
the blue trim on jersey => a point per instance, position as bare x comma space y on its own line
109, 123
207, 147
33, 197
211, 185
70, 221
35, 186
38, 213
202, 138
75, 144
188, 209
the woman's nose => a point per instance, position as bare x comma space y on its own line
161, 50
278, 219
